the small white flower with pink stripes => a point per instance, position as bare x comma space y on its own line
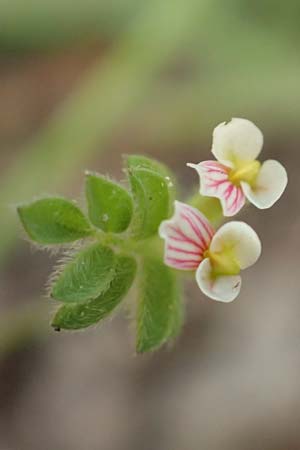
217, 257
237, 175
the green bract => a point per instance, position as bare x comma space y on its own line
53, 221
120, 234
110, 206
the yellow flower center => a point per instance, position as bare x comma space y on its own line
244, 171
223, 263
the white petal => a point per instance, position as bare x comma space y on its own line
239, 139
239, 238
187, 236
214, 182
269, 186
222, 288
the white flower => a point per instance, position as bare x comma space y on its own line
217, 257
237, 175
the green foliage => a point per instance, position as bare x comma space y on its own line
159, 310
87, 276
152, 190
95, 279
53, 221
142, 162
110, 206
178, 313
72, 317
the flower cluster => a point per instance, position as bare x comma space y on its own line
191, 243
237, 174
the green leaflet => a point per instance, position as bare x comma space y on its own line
87, 276
142, 162
160, 309
152, 201
53, 221
78, 316
110, 206
177, 316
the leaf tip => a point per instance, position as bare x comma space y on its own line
19, 210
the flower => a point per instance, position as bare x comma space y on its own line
237, 175
217, 257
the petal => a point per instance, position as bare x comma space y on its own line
223, 288
269, 186
239, 139
214, 182
240, 239
187, 236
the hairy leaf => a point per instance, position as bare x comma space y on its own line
142, 162
152, 202
159, 310
87, 276
110, 206
53, 221
78, 316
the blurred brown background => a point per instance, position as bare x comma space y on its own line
82, 82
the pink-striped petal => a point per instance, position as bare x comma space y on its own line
187, 236
214, 182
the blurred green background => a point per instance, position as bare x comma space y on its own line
81, 83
